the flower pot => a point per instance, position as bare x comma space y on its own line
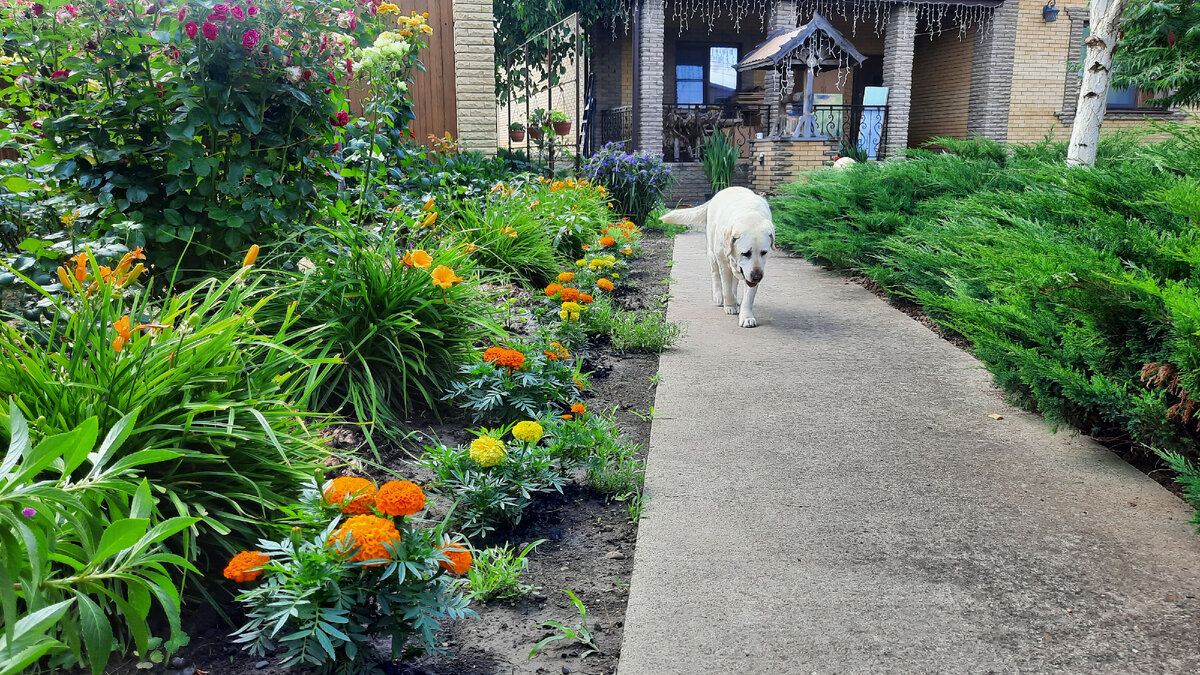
562, 128
516, 135
536, 133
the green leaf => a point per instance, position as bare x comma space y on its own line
136, 195
16, 184
74, 456
161, 35
118, 536
97, 633
142, 501
18, 442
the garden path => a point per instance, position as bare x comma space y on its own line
830, 494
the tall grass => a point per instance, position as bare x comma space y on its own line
1077, 288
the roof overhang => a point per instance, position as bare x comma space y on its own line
780, 44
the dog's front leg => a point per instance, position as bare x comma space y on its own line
729, 289
746, 316
715, 270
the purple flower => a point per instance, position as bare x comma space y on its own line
29, 512
210, 30
250, 39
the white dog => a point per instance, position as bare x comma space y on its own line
740, 235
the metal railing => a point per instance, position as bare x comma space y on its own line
686, 125
615, 126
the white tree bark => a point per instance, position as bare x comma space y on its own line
1104, 23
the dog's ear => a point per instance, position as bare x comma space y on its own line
773, 246
730, 242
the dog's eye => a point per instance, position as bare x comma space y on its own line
764, 252
746, 254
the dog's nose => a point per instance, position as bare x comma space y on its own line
756, 276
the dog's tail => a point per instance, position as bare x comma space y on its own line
697, 215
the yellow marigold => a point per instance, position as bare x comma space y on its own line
387, 8
444, 277
579, 408
607, 241
368, 535
580, 263
488, 451
458, 558
605, 285
360, 492
400, 498
566, 277
245, 566
530, 432
417, 258
570, 311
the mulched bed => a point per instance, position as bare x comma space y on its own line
589, 546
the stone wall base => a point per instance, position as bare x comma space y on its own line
690, 186
777, 162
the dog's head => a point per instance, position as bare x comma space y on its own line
748, 248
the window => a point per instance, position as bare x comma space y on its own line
704, 73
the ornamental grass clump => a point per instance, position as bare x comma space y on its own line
332, 592
511, 382
492, 481
221, 400
401, 321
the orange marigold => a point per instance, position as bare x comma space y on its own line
368, 535
400, 498
570, 294
579, 408
504, 357
585, 298
605, 285
607, 241
338, 490
458, 558
245, 566
553, 290
567, 417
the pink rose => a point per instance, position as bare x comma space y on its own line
252, 10
191, 29
237, 13
308, 74
210, 30
350, 67
250, 39
38, 9
343, 118
59, 75
182, 13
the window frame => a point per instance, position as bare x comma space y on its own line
707, 67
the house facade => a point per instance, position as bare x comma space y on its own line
1000, 69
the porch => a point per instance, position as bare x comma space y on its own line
936, 61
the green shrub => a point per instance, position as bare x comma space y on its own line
400, 337
221, 402
647, 331
571, 212
327, 597
82, 564
572, 441
509, 242
491, 491
1076, 288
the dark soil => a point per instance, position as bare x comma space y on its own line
589, 540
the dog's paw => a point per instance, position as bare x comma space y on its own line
731, 309
719, 302
747, 321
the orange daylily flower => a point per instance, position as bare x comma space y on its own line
417, 258
428, 205
121, 325
430, 219
251, 256
444, 277
81, 263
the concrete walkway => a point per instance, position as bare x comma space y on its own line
828, 494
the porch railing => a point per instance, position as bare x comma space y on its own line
615, 126
685, 126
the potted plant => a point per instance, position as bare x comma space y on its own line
516, 132
538, 124
558, 120
718, 156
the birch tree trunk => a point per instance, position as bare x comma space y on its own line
1104, 23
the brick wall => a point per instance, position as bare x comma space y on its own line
475, 75
783, 160
991, 75
941, 86
898, 48
690, 186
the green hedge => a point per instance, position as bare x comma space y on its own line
1076, 287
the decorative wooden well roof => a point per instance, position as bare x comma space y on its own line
782, 43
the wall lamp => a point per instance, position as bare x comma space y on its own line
1050, 12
